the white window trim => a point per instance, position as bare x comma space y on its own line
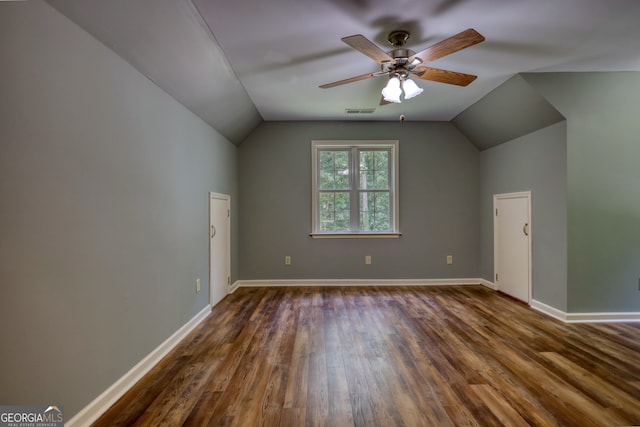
393, 145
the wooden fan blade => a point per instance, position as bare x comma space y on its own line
448, 46
384, 102
351, 80
443, 76
364, 45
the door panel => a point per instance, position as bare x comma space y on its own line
219, 253
512, 244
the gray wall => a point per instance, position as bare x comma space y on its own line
103, 213
603, 185
536, 162
439, 205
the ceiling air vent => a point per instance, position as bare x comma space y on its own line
359, 110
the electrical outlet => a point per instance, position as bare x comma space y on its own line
197, 285
367, 259
287, 260
449, 259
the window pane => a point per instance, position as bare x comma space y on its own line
374, 211
342, 161
381, 215
326, 180
326, 202
334, 211
342, 221
366, 160
326, 212
342, 201
382, 170
327, 170
334, 170
342, 180
381, 180
374, 170
367, 180
326, 160
366, 169
342, 170
382, 160
343, 208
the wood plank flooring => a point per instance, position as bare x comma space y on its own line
388, 356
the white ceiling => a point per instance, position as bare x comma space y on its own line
235, 63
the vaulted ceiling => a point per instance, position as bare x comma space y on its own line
237, 63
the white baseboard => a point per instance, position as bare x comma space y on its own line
234, 287
359, 282
585, 317
100, 404
488, 284
603, 317
548, 310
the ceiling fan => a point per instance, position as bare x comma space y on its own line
400, 63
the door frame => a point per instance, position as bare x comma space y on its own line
227, 199
516, 195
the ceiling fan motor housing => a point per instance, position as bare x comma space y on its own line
400, 54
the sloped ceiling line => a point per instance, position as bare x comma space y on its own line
511, 110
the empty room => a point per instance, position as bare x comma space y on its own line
327, 213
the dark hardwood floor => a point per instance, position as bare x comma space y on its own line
383, 356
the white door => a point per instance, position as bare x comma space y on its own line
219, 247
512, 244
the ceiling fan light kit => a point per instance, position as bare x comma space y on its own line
400, 63
411, 89
392, 91
396, 85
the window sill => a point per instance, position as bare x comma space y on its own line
355, 235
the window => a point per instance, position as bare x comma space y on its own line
355, 188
